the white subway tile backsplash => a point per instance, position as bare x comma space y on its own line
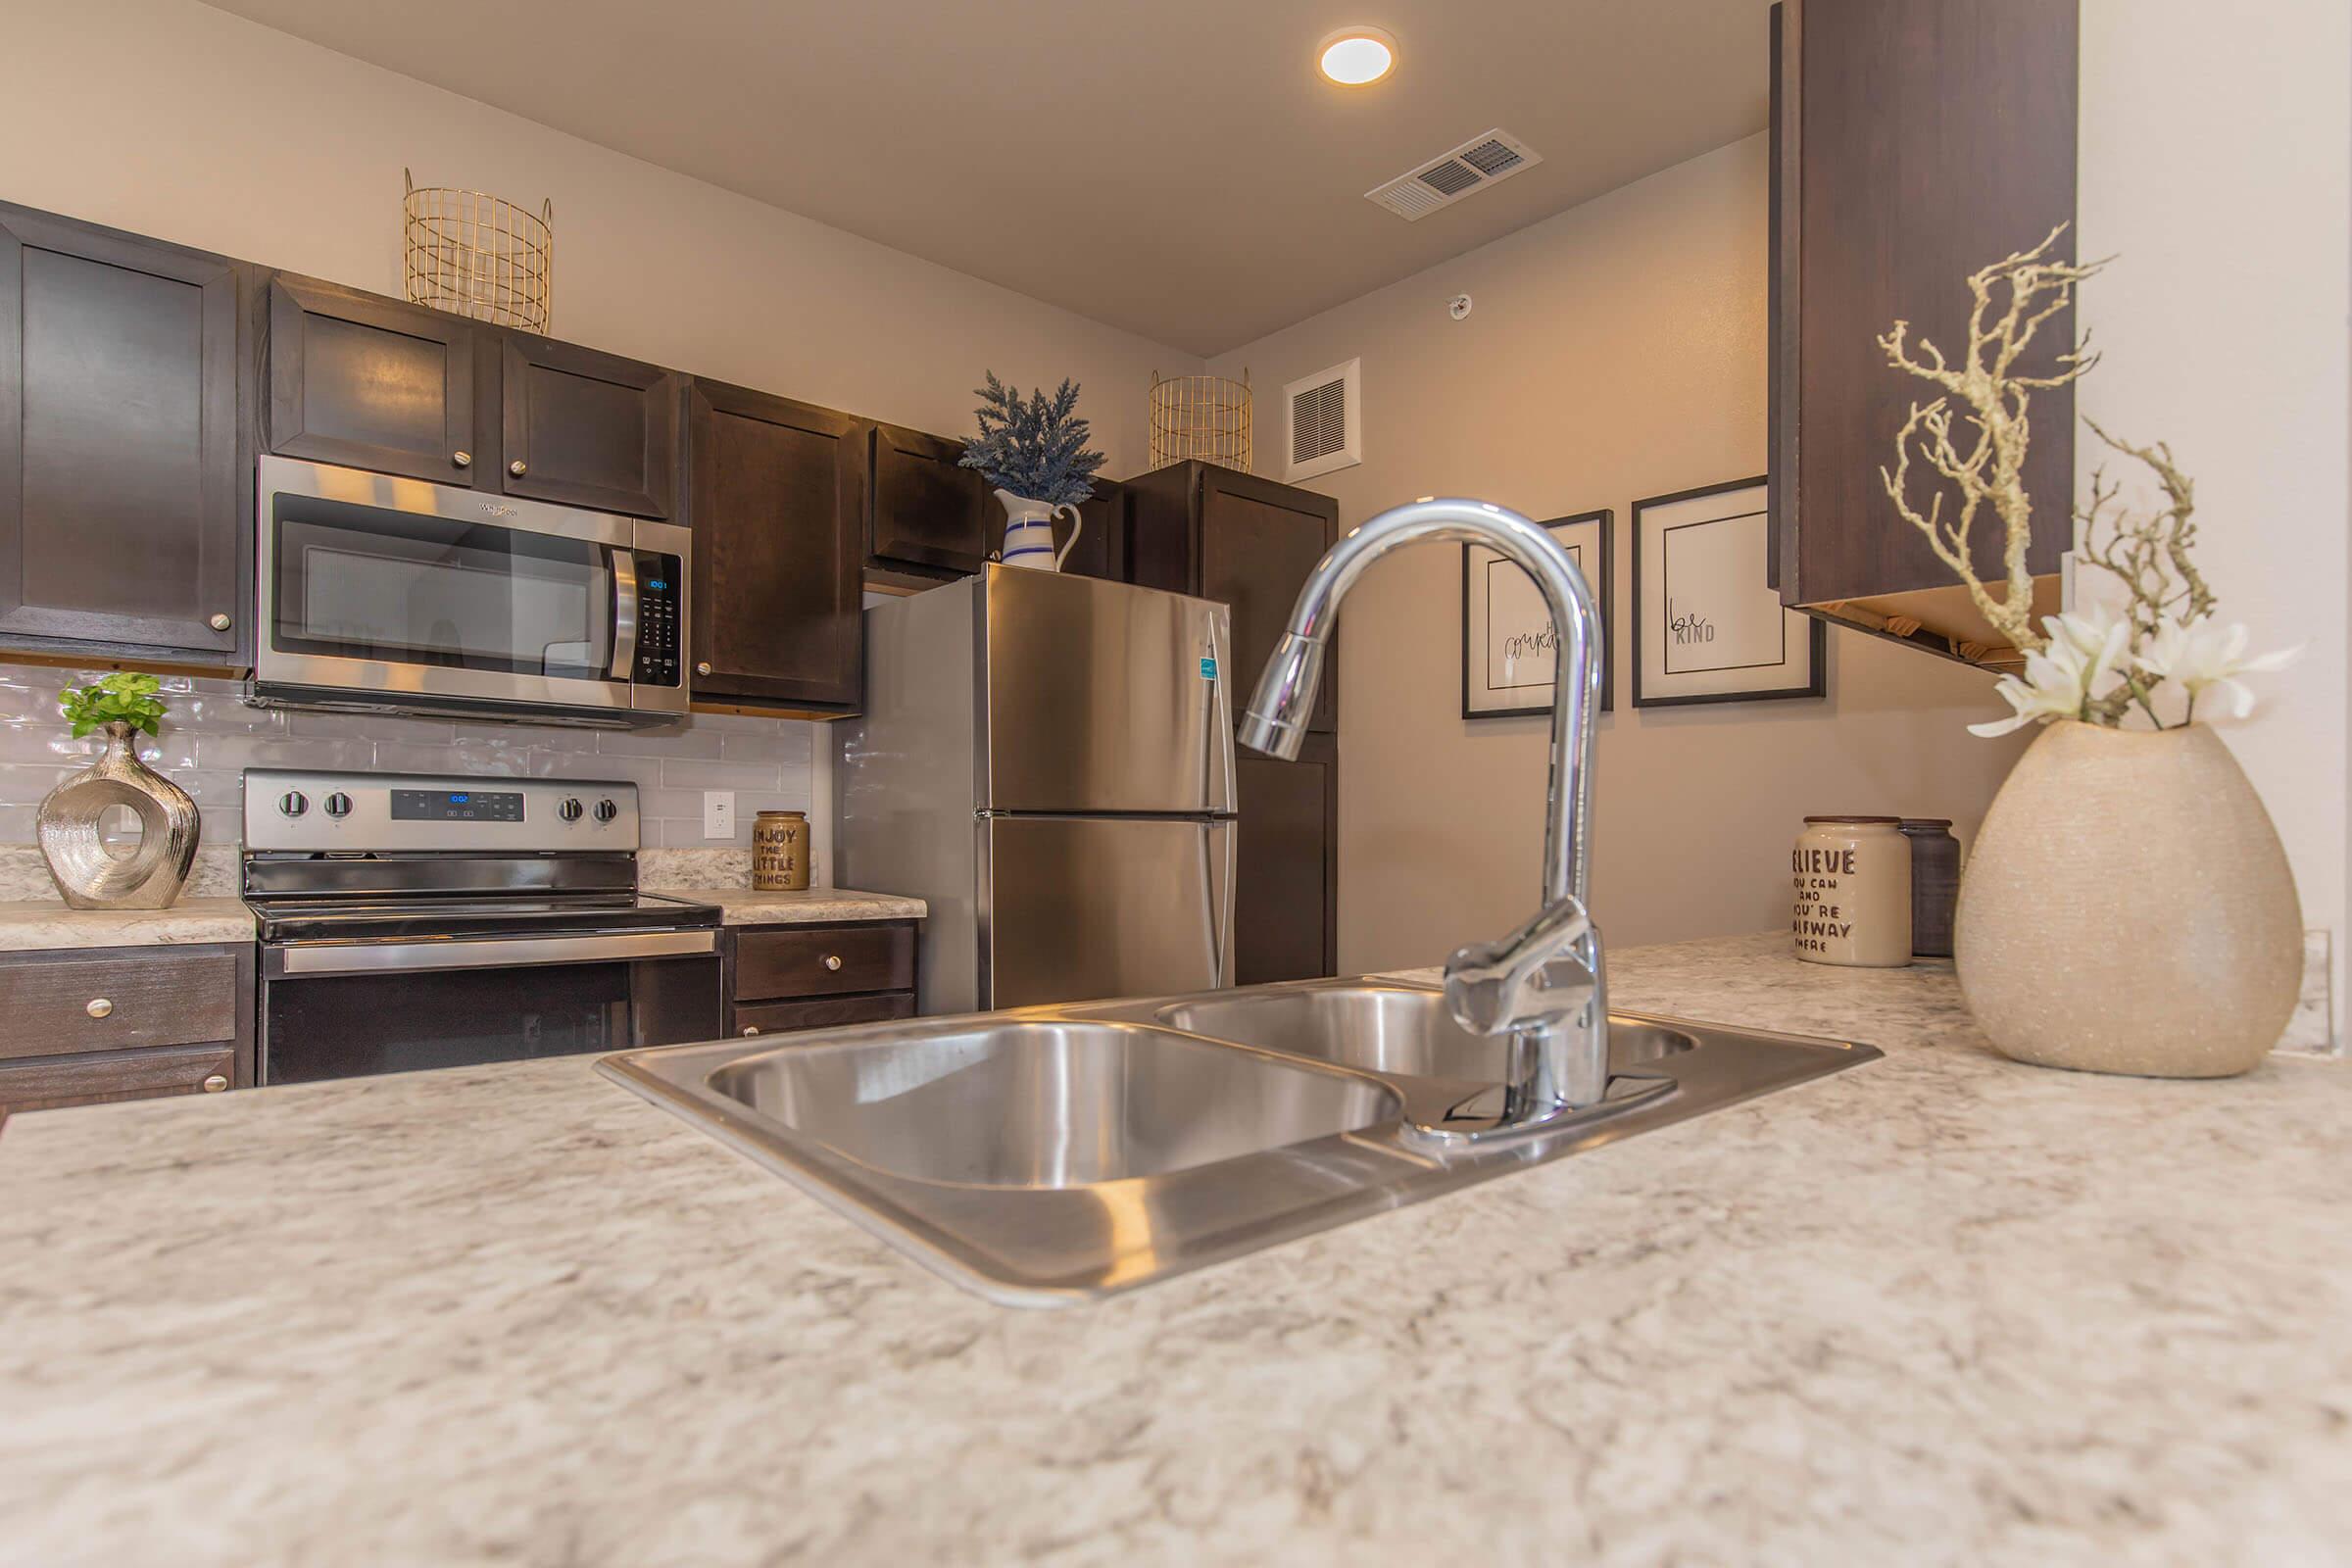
210, 737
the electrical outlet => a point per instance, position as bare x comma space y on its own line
719, 814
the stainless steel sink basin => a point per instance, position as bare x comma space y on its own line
1054, 1155
1384, 1027
1046, 1104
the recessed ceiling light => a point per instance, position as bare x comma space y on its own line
1354, 57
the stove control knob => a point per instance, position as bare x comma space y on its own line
606, 811
293, 802
569, 811
338, 806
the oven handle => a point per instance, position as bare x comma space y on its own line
625, 613
497, 952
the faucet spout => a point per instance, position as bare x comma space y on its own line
1543, 984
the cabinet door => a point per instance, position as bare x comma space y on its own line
1285, 887
587, 430
1101, 547
1257, 542
776, 495
1913, 141
120, 450
927, 511
371, 383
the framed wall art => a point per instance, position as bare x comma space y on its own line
1509, 645
1707, 628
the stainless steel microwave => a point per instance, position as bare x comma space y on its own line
396, 595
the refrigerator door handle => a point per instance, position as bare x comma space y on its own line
1216, 758
1216, 855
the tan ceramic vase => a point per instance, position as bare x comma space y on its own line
2128, 908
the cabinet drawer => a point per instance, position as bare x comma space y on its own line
121, 1075
823, 961
825, 1012
159, 997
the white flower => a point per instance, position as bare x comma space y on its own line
2205, 654
2081, 663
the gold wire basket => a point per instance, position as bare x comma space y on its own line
479, 256
1205, 416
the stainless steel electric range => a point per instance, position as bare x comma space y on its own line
411, 921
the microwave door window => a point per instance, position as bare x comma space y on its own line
411, 590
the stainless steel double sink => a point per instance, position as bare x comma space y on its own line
1050, 1154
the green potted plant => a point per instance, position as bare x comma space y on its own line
90, 873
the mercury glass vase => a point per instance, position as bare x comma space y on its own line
2129, 909
90, 873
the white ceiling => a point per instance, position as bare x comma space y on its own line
1178, 170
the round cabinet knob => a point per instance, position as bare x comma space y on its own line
464, 459
751, 1029
293, 803
833, 961
220, 620
99, 1008
702, 669
569, 811
214, 1082
518, 467
606, 811
338, 804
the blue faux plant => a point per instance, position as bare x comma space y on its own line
1035, 448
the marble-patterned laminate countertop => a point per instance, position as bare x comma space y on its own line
1940, 1308
739, 906
32, 924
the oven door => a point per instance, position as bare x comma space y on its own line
395, 591
345, 1009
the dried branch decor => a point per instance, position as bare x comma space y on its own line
2101, 666
2013, 298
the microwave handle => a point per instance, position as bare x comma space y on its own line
625, 613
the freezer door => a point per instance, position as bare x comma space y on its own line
1075, 908
1103, 696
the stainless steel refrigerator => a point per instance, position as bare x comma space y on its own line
1048, 759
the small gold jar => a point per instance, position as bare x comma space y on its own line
1853, 891
779, 852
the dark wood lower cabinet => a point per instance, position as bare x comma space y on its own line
1286, 880
788, 977
125, 1023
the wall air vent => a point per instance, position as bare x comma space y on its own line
1327, 429
1470, 168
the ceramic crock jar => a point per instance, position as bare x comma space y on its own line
1853, 891
2129, 909
780, 852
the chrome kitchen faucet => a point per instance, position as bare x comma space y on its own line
1544, 984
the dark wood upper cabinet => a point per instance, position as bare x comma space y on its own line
584, 428
927, 511
777, 493
1101, 547
1197, 528
1913, 141
1285, 891
123, 474
370, 382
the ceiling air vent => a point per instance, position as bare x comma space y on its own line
1470, 168
1326, 421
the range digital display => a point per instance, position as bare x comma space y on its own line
455, 806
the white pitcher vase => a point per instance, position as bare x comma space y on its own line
1029, 533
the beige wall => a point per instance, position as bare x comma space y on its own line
1615, 351
174, 119
2217, 165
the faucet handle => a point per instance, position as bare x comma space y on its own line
1539, 975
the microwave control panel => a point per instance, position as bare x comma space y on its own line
660, 594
